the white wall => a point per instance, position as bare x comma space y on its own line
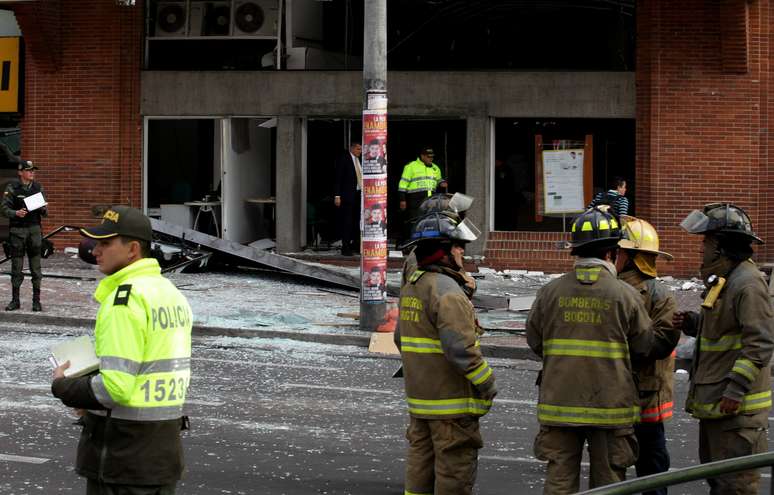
247, 174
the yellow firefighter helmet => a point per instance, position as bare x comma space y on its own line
639, 235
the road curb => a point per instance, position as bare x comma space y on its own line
489, 350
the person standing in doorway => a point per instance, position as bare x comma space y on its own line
418, 182
132, 408
615, 197
25, 235
347, 191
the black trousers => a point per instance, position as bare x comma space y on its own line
654, 456
25, 240
349, 223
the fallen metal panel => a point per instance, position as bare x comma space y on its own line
278, 261
293, 265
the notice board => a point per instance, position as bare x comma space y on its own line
563, 181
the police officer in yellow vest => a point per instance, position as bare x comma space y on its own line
130, 443
636, 265
418, 181
584, 325
730, 389
448, 383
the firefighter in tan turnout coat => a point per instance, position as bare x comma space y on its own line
449, 384
636, 265
584, 325
730, 389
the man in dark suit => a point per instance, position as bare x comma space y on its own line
347, 187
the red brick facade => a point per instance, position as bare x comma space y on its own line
82, 122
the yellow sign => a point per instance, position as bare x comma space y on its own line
10, 71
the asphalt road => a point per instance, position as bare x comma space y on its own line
282, 417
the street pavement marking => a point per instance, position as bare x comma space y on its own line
21, 458
265, 365
203, 402
343, 389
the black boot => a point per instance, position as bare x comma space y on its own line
36, 300
14, 304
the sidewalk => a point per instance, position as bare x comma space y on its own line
244, 303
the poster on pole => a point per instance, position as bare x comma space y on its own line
374, 223
563, 181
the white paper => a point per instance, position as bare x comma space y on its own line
34, 202
563, 181
80, 352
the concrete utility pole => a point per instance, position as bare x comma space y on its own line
373, 215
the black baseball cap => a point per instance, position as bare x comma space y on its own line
123, 221
26, 165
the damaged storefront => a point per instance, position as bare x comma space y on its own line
243, 120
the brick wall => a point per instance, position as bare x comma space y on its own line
702, 119
528, 251
82, 124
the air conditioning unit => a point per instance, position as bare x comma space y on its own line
170, 18
217, 18
255, 17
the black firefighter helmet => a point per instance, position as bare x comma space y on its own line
720, 218
595, 228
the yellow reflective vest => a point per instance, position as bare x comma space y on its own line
143, 342
419, 178
445, 374
584, 325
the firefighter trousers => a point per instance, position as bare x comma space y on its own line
611, 451
723, 439
442, 456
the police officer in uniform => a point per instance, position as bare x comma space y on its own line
730, 392
418, 181
130, 443
636, 265
25, 235
584, 325
448, 383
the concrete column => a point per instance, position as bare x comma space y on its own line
289, 219
478, 157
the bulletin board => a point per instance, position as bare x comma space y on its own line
564, 176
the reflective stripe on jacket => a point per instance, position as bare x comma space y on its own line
655, 377
734, 345
143, 341
443, 368
419, 178
584, 325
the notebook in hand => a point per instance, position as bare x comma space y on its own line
80, 352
